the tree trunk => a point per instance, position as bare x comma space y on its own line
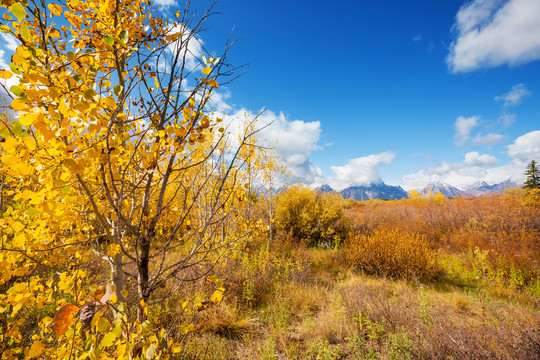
143, 278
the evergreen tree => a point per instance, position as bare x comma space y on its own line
533, 176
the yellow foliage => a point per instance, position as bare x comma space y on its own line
98, 162
532, 197
310, 217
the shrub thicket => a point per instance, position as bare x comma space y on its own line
389, 252
311, 217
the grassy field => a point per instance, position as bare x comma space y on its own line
411, 279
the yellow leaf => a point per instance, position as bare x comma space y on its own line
120, 350
8, 144
103, 325
214, 83
19, 240
176, 348
17, 226
28, 118
36, 349
63, 318
108, 339
216, 296
18, 104
54, 33
187, 113
4, 74
206, 70
30, 142
113, 299
108, 102
55, 9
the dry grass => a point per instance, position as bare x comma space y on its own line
444, 325
465, 286
226, 321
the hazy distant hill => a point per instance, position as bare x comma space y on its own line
481, 188
447, 190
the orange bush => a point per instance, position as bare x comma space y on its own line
506, 226
389, 252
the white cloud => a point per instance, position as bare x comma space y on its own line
454, 174
526, 147
487, 140
473, 158
218, 102
476, 167
417, 38
463, 128
10, 42
165, 3
360, 171
507, 119
458, 174
514, 96
3, 63
491, 33
189, 45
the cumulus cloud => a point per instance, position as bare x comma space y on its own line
474, 158
526, 147
360, 171
514, 96
476, 167
463, 128
491, 33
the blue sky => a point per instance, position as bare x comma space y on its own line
406, 92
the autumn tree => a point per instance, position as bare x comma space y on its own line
109, 149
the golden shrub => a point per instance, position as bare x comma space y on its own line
392, 253
310, 217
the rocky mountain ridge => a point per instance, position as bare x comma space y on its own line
389, 192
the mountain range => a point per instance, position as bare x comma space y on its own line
483, 188
388, 192
366, 192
